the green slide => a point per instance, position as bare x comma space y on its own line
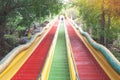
60, 67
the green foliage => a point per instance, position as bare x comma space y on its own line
27, 10
20, 28
91, 16
11, 40
116, 54
17, 15
21, 31
90, 13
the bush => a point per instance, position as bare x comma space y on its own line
11, 40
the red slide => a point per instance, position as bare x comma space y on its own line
32, 67
87, 66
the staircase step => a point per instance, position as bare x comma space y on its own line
60, 67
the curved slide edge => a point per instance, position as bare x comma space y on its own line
4, 63
110, 64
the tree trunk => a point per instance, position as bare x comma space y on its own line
3, 17
2, 30
108, 29
109, 22
102, 37
29, 33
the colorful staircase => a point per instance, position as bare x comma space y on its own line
60, 67
87, 66
32, 67
68, 58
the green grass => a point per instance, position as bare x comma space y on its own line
60, 68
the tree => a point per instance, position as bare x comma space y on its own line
101, 17
29, 10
